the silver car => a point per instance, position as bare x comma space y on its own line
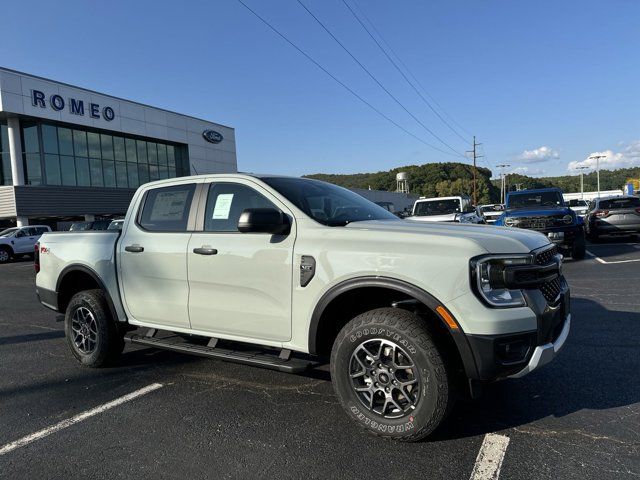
613, 216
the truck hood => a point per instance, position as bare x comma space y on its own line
537, 212
449, 217
488, 238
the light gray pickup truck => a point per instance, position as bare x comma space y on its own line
284, 273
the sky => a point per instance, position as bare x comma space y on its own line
543, 85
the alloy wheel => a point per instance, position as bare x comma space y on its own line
384, 378
85, 330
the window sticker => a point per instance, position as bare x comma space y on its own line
169, 206
222, 207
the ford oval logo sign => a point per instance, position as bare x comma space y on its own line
212, 136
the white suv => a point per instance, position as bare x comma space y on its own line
20, 241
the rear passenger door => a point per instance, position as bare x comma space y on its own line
153, 256
244, 289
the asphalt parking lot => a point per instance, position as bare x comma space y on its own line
578, 417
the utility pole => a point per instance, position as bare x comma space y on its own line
475, 157
503, 183
597, 159
582, 181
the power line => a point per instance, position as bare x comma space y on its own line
373, 77
342, 84
402, 73
407, 69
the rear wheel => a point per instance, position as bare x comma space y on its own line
389, 374
91, 333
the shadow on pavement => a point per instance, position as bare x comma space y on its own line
594, 371
31, 337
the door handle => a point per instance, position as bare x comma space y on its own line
205, 251
134, 248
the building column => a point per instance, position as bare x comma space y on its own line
22, 221
15, 151
88, 217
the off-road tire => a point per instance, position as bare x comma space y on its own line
413, 334
109, 340
579, 247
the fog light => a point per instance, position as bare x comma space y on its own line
512, 351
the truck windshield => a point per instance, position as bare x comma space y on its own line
9, 232
328, 204
534, 199
437, 207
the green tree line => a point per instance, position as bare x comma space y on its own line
452, 178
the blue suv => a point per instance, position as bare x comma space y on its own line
544, 210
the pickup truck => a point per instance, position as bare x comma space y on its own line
445, 209
285, 273
545, 211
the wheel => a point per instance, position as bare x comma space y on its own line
390, 376
578, 249
5, 254
91, 333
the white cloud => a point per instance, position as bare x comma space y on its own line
532, 172
539, 155
628, 157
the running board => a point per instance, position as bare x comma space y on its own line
254, 357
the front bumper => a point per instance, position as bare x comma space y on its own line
518, 351
543, 354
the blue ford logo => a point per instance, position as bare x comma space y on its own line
212, 136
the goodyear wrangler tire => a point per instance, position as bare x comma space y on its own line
390, 376
91, 333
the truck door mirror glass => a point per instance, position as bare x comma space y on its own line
264, 220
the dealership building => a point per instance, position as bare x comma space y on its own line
69, 153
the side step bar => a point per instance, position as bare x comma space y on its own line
258, 358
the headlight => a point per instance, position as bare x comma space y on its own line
568, 219
509, 221
488, 273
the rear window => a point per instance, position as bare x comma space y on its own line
166, 209
612, 204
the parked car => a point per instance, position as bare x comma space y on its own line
92, 225
445, 209
116, 224
544, 210
579, 206
20, 241
613, 216
490, 213
315, 272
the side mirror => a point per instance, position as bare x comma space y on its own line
264, 220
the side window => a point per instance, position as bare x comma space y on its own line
31, 231
225, 203
166, 209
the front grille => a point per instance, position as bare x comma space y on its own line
546, 256
540, 222
551, 289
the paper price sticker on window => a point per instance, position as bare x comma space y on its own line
222, 207
169, 206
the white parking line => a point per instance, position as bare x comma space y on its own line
490, 456
598, 259
78, 418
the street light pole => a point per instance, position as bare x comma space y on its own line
597, 159
503, 183
582, 181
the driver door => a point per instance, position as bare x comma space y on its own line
244, 288
24, 240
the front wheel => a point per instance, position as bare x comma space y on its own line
390, 375
91, 333
5, 254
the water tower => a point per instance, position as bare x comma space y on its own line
402, 182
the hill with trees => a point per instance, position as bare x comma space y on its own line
452, 178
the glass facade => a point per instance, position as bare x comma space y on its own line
59, 155
5, 159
